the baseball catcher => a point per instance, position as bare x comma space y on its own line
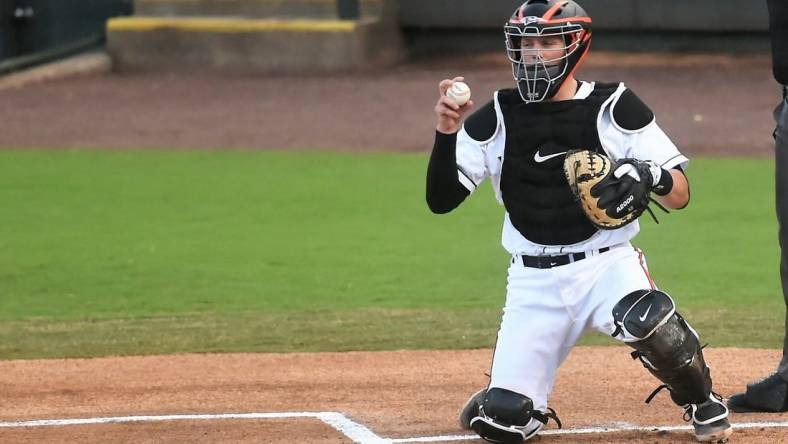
574, 163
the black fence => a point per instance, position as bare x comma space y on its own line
622, 15
56, 27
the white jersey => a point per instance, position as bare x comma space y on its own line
477, 161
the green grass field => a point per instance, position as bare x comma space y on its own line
114, 253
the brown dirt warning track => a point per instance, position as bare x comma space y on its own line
708, 104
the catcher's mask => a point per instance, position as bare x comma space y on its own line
538, 78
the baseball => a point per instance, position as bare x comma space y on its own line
459, 92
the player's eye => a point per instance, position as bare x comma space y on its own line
553, 41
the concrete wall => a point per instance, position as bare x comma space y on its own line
255, 36
323, 9
140, 44
638, 15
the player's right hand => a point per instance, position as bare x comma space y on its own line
449, 114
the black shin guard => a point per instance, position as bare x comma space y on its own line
683, 369
665, 344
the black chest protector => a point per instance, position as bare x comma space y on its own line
533, 186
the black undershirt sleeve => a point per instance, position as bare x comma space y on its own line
444, 190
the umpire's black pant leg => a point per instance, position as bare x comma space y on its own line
781, 182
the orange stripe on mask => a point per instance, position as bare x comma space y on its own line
551, 12
566, 20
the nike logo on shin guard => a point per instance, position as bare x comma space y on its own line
643, 318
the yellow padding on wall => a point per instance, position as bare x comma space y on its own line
228, 25
250, 1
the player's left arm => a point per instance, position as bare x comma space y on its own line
679, 195
648, 143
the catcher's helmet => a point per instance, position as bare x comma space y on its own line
537, 78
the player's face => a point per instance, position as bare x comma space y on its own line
549, 49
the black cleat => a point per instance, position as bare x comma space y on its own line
710, 420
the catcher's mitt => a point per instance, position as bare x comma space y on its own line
611, 194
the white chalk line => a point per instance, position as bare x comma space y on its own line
595, 430
353, 430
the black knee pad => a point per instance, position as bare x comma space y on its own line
506, 417
639, 313
665, 343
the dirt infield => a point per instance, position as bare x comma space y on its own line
717, 105
400, 395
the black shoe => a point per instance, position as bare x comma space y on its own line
767, 395
710, 420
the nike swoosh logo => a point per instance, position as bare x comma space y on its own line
643, 318
540, 159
